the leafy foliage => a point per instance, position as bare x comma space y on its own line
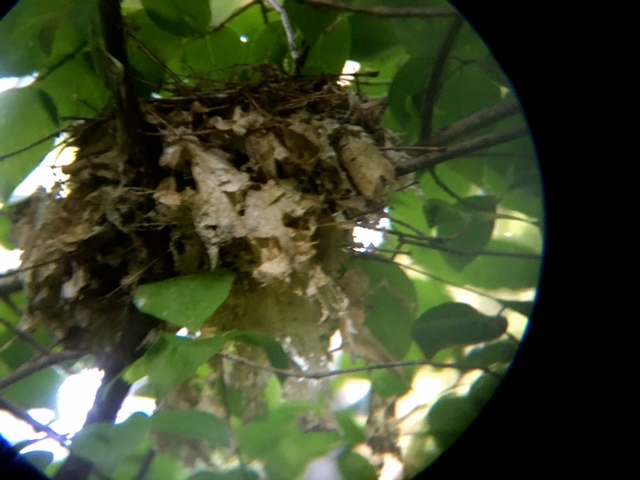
450, 285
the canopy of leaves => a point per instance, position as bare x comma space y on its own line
446, 292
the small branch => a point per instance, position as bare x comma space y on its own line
399, 12
37, 426
288, 28
29, 147
146, 465
434, 86
41, 363
62, 61
24, 336
333, 373
474, 122
130, 124
446, 188
423, 162
233, 15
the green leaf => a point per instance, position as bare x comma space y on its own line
405, 94
388, 384
107, 445
233, 474
163, 45
171, 360
391, 303
449, 417
211, 55
76, 89
192, 424
501, 352
278, 441
352, 434
330, 52
476, 232
453, 324
370, 36
312, 22
38, 458
421, 39
275, 353
482, 390
268, 45
20, 29
185, 301
525, 308
353, 465
180, 17
38, 390
16, 135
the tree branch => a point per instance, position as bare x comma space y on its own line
423, 162
24, 336
288, 29
333, 373
40, 363
37, 426
130, 122
474, 122
399, 12
434, 86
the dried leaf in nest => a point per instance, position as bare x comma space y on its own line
258, 178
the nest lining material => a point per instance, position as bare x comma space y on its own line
266, 179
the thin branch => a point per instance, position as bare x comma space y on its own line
146, 465
70, 56
37, 426
399, 12
333, 373
233, 15
288, 29
24, 336
446, 188
460, 253
376, 258
425, 161
130, 120
434, 86
29, 147
477, 121
41, 363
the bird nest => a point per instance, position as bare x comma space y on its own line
266, 179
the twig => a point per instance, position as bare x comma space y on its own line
288, 29
333, 373
231, 16
62, 61
24, 336
425, 161
416, 148
446, 188
453, 251
41, 363
474, 122
130, 121
434, 86
376, 258
415, 12
29, 147
146, 465
37, 426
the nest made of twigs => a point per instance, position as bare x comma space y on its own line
267, 179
